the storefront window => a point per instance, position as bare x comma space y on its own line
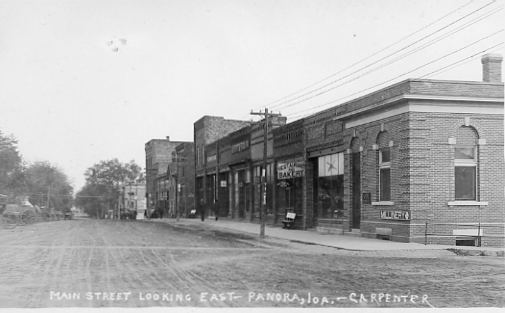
330, 186
290, 181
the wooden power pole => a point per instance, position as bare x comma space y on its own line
263, 214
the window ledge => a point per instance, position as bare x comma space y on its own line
467, 203
383, 203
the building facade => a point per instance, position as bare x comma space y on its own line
418, 161
132, 198
410, 162
289, 185
181, 178
158, 155
207, 130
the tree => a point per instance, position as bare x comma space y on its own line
12, 179
102, 185
48, 186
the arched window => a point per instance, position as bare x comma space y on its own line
465, 165
384, 175
384, 164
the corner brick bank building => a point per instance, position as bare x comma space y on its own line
422, 160
418, 161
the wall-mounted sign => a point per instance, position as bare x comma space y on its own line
367, 198
395, 215
223, 183
290, 170
211, 158
240, 146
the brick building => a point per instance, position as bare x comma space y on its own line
289, 154
257, 163
240, 171
419, 156
181, 176
158, 155
207, 130
418, 160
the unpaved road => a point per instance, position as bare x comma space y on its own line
114, 263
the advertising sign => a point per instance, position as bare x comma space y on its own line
367, 198
290, 170
395, 215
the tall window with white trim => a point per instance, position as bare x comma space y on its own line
465, 173
385, 175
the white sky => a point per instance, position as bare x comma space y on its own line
72, 100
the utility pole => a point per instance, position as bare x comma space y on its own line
177, 213
216, 186
263, 214
48, 195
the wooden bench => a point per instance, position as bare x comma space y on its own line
289, 221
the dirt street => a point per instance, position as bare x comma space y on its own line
116, 263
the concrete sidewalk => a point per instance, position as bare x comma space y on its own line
330, 240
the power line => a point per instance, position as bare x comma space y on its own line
400, 75
375, 53
455, 64
296, 115
391, 61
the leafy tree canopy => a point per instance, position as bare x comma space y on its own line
103, 180
48, 185
12, 182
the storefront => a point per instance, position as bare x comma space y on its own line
330, 187
290, 175
240, 170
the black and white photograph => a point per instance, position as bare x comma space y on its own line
252, 155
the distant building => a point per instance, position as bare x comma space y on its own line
158, 155
181, 175
133, 198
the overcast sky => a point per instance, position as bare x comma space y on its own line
84, 81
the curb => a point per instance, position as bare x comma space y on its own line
467, 252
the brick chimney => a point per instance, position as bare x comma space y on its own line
491, 67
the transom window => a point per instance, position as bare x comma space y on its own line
465, 173
385, 175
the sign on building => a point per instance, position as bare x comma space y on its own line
395, 215
290, 170
367, 198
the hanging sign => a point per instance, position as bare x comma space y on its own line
290, 170
395, 215
223, 183
283, 184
